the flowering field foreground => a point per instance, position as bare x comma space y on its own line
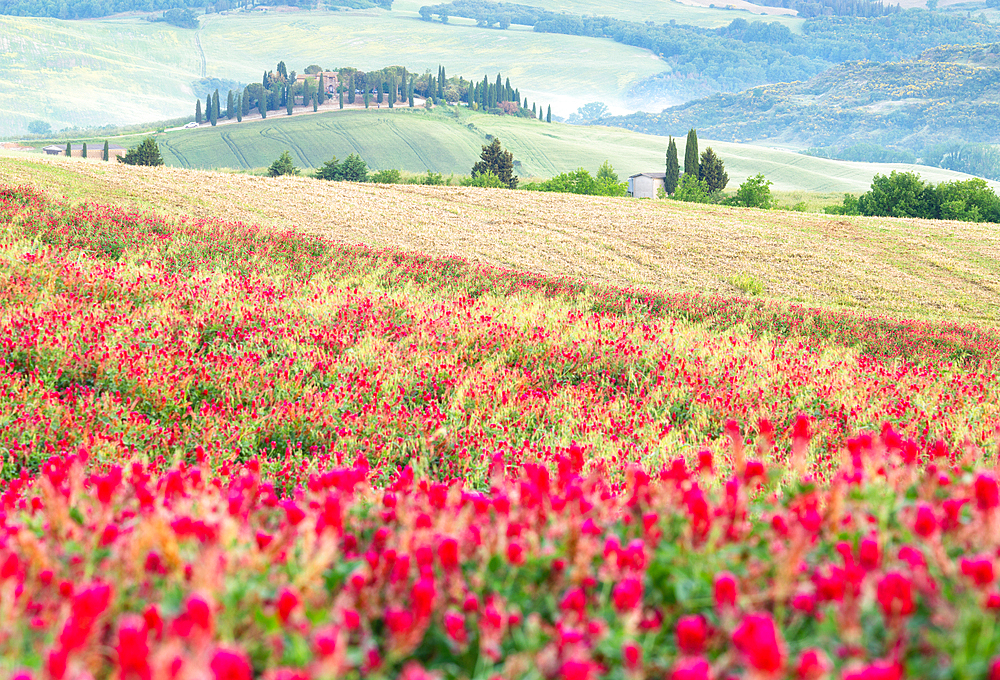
231, 453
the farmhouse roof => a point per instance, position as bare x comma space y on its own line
79, 147
654, 175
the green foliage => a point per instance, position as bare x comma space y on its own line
182, 18
690, 189
39, 127
353, 169
747, 284
755, 192
581, 182
391, 176
673, 170
106, 155
848, 207
329, 171
282, 166
971, 200
901, 194
497, 160
486, 179
433, 179
712, 171
691, 154
69, 149
146, 153
197, 112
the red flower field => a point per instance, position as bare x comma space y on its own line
232, 453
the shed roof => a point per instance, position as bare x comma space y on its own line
654, 175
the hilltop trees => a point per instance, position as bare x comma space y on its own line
498, 161
673, 170
353, 169
691, 153
146, 153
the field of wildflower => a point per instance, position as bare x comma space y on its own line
234, 452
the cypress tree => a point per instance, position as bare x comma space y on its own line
263, 81
197, 112
212, 118
691, 153
712, 171
354, 89
321, 89
498, 90
262, 105
315, 105
441, 81
246, 101
392, 91
69, 149
367, 97
410, 93
208, 107
673, 168
107, 154
378, 93
341, 91
215, 104
289, 100
229, 105
548, 115
84, 149
540, 116
508, 92
239, 108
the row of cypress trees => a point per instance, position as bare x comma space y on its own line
105, 156
709, 168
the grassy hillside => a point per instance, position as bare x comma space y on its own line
913, 268
449, 142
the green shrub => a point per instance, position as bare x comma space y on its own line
748, 284
486, 180
755, 192
391, 176
283, 166
692, 190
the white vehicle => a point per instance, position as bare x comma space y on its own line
191, 125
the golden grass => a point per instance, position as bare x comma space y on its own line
912, 268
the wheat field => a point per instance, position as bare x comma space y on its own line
899, 267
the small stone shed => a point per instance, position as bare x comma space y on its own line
645, 184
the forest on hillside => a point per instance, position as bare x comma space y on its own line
743, 54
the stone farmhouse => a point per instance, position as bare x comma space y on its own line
329, 79
93, 150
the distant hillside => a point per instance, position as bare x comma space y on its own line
950, 95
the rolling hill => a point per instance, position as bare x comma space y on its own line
128, 70
449, 141
951, 94
879, 266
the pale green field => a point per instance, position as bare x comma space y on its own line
659, 11
123, 71
85, 73
449, 142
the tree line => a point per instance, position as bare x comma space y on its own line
92, 9
906, 194
282, 89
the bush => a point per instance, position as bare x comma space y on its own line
755, 192
901, 194
848, 207
391, 176
747, 284
485, 180
582, 182
692, 190
283, 166
353, 169
147, 153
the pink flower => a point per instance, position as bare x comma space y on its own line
725, 590
632, 656
691, 669
987, 493
287, 602
230, 664
758, 640
133, 649
627, 595
926, 523
813, 665
448, 554
691, 634
895, 595
979, 570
